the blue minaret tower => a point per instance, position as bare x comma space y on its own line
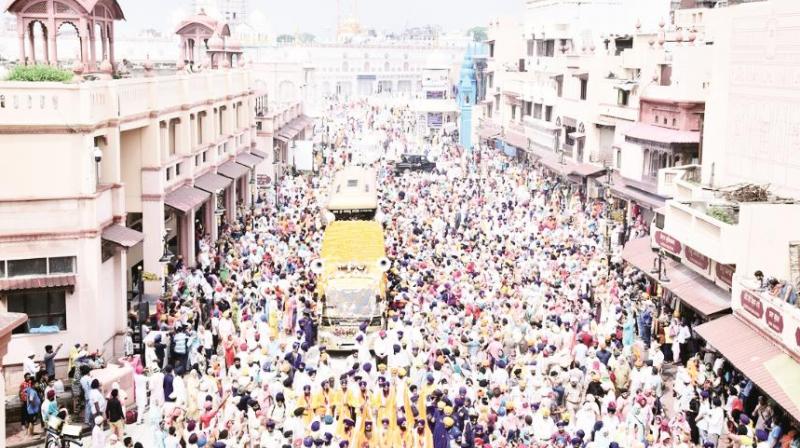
467, 87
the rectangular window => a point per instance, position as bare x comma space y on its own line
173, 135
178, 169
513, 112
205, 156
491, 50
584, 88
546, 48
528, 108
32, 266
201, 118
531, 46
622, 97
169, 174
44, 307
559, 86
537, 111
197, 160
548, 113
2, 268
62, 265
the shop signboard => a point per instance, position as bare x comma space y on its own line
774, 320
696, 258
724, 273
752, 304
435, 119
668, 243
773, 317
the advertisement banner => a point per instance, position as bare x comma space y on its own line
773, 317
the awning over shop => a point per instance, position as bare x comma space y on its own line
258, 153
212, 183
232, 169
552, 161
186, 198
576, 135
692, 288
281, 138
488, 130
649, 132
48, 281
651, 201
516, 139
122, 235
758, 358
248, 160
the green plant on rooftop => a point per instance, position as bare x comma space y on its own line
723, 214
38, 73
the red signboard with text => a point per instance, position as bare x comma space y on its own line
752, 304
774, 320
696, 258
725, 273
669, 243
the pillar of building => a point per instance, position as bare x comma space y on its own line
230, 200
153, 244
21, 39
84, 36
32, 41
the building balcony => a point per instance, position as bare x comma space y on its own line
668, 178
769, 310
626, 113
88, 103
695, 224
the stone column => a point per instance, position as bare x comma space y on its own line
32, 40
84, 36
103, 42
230, 199
111, 58
21, 38
153, 245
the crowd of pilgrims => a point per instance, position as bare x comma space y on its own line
507, 325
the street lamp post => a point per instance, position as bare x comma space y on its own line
660, 267
166, 257
252, 191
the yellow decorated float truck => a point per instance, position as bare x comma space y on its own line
352, 264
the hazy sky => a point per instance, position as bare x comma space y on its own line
319, 16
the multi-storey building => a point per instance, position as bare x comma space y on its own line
734, 214
109, 180
387, 68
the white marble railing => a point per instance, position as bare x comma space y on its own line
92, 102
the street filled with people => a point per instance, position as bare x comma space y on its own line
508, 324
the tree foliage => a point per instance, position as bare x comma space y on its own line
478, 33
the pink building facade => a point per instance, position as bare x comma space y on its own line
107, 179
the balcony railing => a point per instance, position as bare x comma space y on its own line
668, 178
87, 103
770, 310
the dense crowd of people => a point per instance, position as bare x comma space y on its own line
508, 326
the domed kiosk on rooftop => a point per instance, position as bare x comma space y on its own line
205, 39
93, 21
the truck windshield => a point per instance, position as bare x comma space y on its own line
350, 303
